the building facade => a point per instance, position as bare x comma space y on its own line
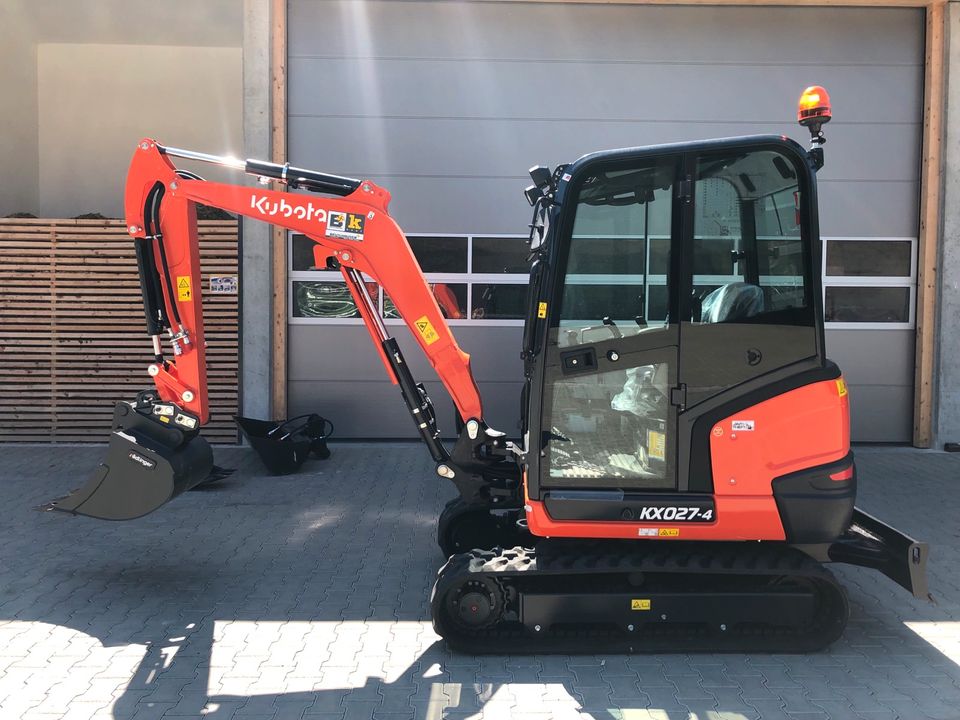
447, 103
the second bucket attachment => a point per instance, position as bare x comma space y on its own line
285, 446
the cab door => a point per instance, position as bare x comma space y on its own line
750, 280
608, 418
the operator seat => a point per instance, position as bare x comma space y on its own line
732, 302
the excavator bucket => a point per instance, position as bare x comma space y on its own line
284, 446
147, 465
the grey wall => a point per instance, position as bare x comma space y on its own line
18, 85
447, 104
96, 101
106, 78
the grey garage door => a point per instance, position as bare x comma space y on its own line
447, 104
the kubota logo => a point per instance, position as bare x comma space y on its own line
265, 206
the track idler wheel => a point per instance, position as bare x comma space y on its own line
476, 605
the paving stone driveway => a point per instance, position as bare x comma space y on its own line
306, 596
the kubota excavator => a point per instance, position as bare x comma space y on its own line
684, 470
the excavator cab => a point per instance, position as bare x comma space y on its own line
683, 279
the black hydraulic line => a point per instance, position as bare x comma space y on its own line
152, 220
152, 308
149, 276
421, 411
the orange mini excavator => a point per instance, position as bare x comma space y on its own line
684, 467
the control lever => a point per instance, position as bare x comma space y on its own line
608, 321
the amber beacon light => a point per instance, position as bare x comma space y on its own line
813, 110
814, 106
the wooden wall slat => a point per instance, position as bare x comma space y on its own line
72, 337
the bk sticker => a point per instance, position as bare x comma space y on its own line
425, 328
346, 226
183, 288
640, 604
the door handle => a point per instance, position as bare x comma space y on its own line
578, 361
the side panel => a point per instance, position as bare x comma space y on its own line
800, 429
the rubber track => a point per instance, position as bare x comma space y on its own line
582, 564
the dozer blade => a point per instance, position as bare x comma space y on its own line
147, 465
871, 543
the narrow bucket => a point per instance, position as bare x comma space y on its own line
147, 465
284, 446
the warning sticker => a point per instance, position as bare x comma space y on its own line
669, 532
656, 445
346, 226
841, 387
742, 425
542, 310
639, 604
183, 288
425, 328
223, 285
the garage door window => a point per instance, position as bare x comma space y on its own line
869, 282
479, 280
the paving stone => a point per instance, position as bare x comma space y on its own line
306, 597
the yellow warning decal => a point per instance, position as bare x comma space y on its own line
426, 330
669, 532
841, 387
183, 288
656, 445
639, 604
542, 310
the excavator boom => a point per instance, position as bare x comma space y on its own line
156, 452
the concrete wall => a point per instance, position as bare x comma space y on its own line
96, 101
256, 264
947, 377
18, 88
76, 81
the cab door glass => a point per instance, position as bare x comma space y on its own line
751, 277
612, 355
619, 256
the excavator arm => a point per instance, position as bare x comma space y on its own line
156, 452
354, 233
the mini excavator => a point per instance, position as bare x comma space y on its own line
683, 472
